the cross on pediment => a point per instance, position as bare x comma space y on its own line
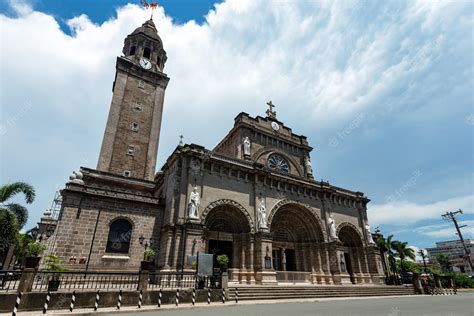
270, 113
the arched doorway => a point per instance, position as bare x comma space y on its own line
352, 252
295, 231
227, 232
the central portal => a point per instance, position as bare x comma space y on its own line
221, 247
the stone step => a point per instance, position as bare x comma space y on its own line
293, 292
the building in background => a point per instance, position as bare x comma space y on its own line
454, 249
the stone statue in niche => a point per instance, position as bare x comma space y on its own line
309, 167
332, 227
369, 234
262, 215
247, 146
193, 204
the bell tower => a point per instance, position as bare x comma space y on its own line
131, 137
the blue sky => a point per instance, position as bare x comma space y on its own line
384, 93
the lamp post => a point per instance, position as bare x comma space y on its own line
149, 242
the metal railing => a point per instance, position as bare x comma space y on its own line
171, 280
57, 281
293, 277
9, 281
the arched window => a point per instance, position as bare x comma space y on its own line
132, 50
147, 53
120, 234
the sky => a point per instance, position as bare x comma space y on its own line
384, 92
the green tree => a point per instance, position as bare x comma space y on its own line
8, 231
21, 245
402, 251
386, 246
444, 262
423, 256
13, 216
8, 191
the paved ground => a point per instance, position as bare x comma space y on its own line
461, 304
449, 305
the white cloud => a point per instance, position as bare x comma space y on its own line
403, 212
320, 62
447, 230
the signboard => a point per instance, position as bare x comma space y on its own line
205, 263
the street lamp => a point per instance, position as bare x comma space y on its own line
149, 242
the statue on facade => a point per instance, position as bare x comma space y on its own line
247, 146
262, 215
332, 227
369, 234
193, 204
309, 167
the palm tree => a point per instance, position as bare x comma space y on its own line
386, 246
9, 191
423, 256
13, 216
403, 251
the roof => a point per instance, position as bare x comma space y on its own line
149, 29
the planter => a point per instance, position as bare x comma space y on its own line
32, 262
145, 265
53, 285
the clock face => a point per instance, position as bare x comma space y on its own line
275, 126
145, 63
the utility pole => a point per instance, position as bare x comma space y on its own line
451, 216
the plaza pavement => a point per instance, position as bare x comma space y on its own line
443, 305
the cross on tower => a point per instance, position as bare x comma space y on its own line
270, 112
147, 4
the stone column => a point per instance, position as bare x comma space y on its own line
26, 280
375, 264
264, 276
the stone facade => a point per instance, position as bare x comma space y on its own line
256, 198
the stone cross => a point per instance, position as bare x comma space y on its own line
270, 112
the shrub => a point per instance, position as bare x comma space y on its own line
149, 254
223, 260
35, 249
54, 266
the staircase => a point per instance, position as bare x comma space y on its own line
298, 292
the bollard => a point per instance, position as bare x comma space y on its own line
177, 297
140, 299
119, 301
46, 302
236, 295
223, 296
208, 296
73, 301
160, 295
17, 304
194, 297
96, 303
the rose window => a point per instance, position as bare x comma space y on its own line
279, 163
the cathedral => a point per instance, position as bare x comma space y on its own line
253, 197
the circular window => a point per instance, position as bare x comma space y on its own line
279, 163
